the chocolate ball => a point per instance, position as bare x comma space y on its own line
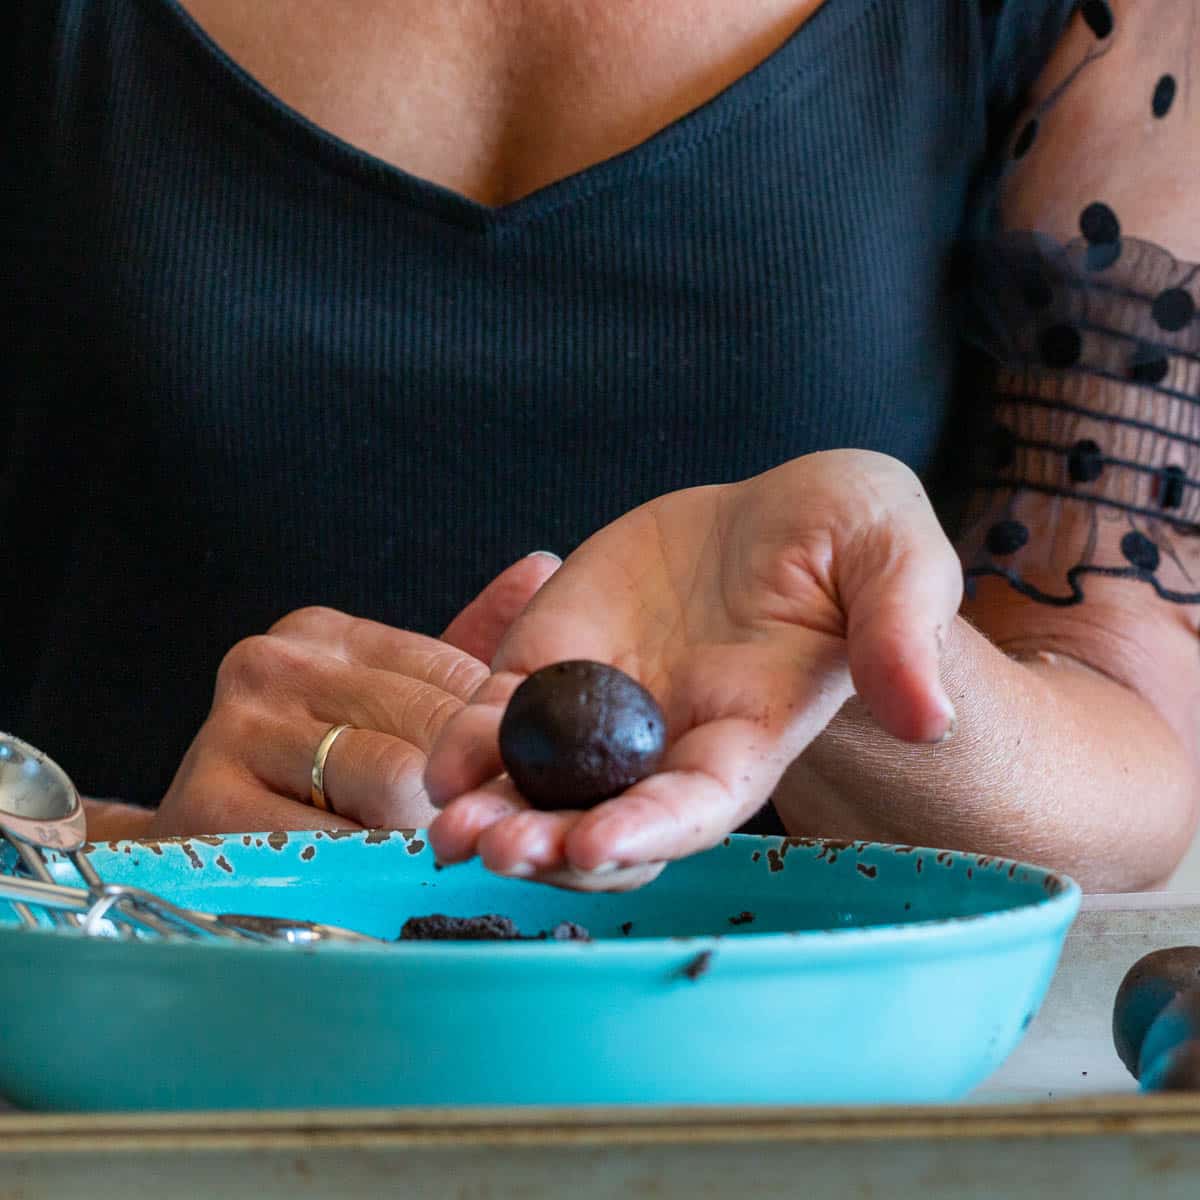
1178, 1023
1148, 987
577, 733
1178, 1070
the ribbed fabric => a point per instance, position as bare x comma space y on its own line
250, 368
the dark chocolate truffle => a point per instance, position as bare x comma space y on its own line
1177, 1070
1179, 1022
1148, 987
577, 733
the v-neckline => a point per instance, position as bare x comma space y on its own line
783, 69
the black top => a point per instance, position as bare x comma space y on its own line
249, 368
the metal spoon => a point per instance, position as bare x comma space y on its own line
40, 809
139, 903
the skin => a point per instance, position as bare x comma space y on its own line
1076, 734
497, 98
805, 634
278, 692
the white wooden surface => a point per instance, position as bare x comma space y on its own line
1068, 1050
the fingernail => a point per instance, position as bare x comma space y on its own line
606, 868
521, 870
545, 554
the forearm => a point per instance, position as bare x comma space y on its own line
1051, 762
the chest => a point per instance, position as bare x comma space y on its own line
495, 99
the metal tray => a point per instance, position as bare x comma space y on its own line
1086, 1149
1002, 1145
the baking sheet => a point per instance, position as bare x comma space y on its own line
1061, 1117
1089, 1148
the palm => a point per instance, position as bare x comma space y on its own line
725, 604
659, 595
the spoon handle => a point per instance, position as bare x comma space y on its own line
31, 856
95, 886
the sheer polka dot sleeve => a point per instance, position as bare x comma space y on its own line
1086, 309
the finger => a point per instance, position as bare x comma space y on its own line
222, 803
480, 627
372, 778
454, 833
522, 843
625, 879
467, 754
266, 675
358, 642
715, 777
901, 599
739, 739
525, 842
377, 780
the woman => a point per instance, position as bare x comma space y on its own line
354, 307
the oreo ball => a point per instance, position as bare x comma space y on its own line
1176, 1025
577, 733
1178, 1070
1148, 987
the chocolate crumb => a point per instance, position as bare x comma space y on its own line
627, 928
743, 918
439, 927
566, 931
699, 965
491, 927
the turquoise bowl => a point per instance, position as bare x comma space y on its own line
764, 971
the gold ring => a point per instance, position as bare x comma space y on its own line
319, 799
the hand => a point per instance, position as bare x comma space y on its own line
112, 821
752, 612
277, 694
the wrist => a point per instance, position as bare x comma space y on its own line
112, 821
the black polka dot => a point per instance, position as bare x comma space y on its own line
1102, 255
1149, 365
1173, 309
1060, 346
1164, 96
1085, 461
1170, 487
1140, 551
1025, 139
1006, 537
1098, 223
1098, 16
1004, 447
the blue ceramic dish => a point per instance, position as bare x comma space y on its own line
765, 971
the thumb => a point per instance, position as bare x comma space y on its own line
480, 627
901, 597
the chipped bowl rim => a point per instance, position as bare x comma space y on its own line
1046, 914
